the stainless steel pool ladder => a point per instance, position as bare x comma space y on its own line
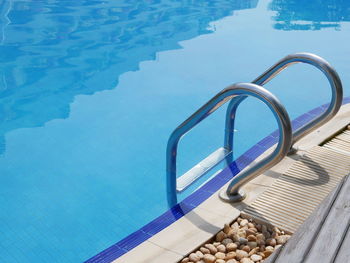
236, 94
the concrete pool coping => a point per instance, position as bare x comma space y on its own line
196, 219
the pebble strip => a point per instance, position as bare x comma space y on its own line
245, 241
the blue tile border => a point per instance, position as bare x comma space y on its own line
203, 193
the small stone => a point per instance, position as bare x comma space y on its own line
242, 233
219, 261
258, 227
216, 244
231, 247
269, 248
252, 244
234, 237
250, 232
232, 261
282, 239
241, 254
239, 219
277, 246
185, 260
199, 254
246, 260
271, 242
262, 248
253, 251
263, 228
256, 258
227, 229
276, 230
211, 248
246, 249
235, 226
251, 238
242, 240
266, 234
267, 253
204, 250
221, 248
274, 235
226, 241
209, 258
251, 225
220, 236
193, 257
260, 239
220, 255
230, 255
244, 222
253, 229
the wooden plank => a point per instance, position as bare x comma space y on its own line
344, 251
328, 241
299, 244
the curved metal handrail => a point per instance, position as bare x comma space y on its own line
236, 92
308, 58
334, 106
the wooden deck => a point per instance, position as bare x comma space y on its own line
325, 236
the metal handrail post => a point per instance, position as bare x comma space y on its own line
233, 92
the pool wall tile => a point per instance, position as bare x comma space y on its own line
200, 195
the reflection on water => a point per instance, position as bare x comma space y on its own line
301, 15
51, 51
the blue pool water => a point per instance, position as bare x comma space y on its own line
91, 90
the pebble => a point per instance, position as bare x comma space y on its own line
208, 258
244, 222
256, 258
199, 254
242, 233
252, 244
211, 248
193, 257
253, 251
260, 239
231, 247
185, 260
204, 250
246, 249
250, 225
220, 261
232, 261
221, 248
220, 255
271, 242
282, 239
251, 238
227, 229
230, 255
267, 253
250, 232
235, 226
270, 248
242, 240
220, 236
226, 241
246, 260
241, 254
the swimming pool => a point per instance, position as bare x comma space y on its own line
91, 90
